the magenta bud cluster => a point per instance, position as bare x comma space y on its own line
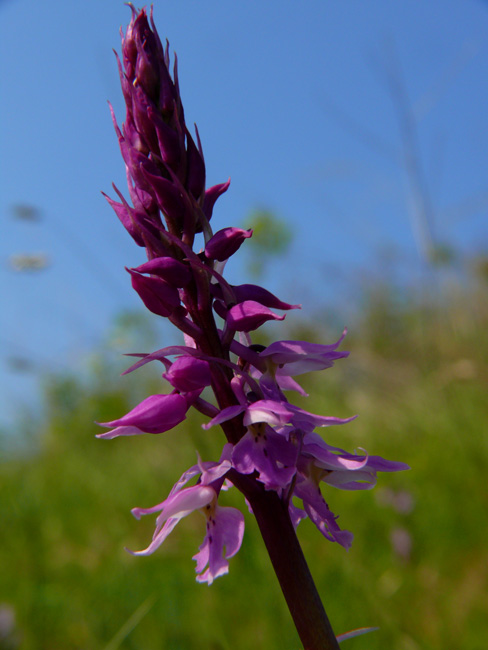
269, 444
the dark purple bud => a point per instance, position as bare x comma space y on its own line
146, 63
132, 134
168, 91
195, 179
133, 157
140, 52
225, 243
129, 47
211, 195
249, 315
188, 374
172, 271
141, 222
157, 295
168, 197
263, 296
126, 214
254, 292
143, 124
142, 199
147, 68
168, 140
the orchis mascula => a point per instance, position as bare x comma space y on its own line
271, 451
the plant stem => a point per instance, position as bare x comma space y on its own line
296, 582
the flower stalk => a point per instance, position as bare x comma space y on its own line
291, 568
271, 450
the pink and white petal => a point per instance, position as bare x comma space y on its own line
328, 460
351, 480
305, 417
231, 527
224, 415
120, 431
182, 503
223, 540
380, 464
269, 411
158, 538
288, 383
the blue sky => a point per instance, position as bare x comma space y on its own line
298, 102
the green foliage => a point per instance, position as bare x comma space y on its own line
271, 238
418, 567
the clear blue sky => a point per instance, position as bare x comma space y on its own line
293, 102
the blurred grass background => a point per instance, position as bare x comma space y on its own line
418, 567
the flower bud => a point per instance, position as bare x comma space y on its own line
211, 196
225, 243
249, 315
169, 198
195, 179
188, 374
155, 414
157, 295
243, 292
128, 218
170, 270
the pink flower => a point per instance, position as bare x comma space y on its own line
296, 357
274, 446
225, 526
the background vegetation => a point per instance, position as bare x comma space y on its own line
418, 568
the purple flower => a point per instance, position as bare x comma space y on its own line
276, 412
319, 512
223, 539
270, 444
269, 411
343, 470
225, 526
268, 448
297, 357
268, 453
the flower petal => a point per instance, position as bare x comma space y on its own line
225, 243
155, 414
223, 539
249, 315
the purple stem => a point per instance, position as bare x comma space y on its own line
289, 564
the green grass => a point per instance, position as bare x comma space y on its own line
417, 378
